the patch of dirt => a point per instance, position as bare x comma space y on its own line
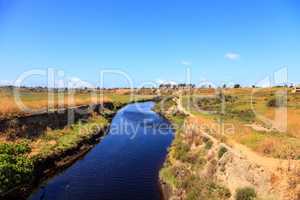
258, 127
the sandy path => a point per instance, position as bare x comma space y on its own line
272, 164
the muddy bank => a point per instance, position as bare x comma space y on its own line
165, 190
35, 124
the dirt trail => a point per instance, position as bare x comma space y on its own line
269, 163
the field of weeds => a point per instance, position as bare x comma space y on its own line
255, 116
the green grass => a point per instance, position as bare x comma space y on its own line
14, 149
168, 175
126, 98
253, 139
70, 137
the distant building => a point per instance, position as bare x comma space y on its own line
296, 89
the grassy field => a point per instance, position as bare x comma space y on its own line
245, 111
42, 100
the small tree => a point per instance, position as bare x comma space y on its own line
222, 151
246, 193
237, 86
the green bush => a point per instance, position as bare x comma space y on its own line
15, 167
272, 103
14, 149
199, 188
279, 101
222, 151
246, 115
14, 171
181, 151
208, 144
246, 193
209, 104
168, 175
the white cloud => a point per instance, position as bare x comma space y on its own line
232, 56
186, 63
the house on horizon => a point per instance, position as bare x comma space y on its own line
296, 89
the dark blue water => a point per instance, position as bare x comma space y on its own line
123, 166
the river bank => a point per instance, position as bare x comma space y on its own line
124, 165
202, 166
54, 151
180, 176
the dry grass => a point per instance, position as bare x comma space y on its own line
43, 101
39, 101
271, 143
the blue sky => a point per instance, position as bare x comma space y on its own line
230, 41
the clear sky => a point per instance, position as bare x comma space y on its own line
240, 41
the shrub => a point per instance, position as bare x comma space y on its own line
209, 103
180, 151
279, 101
246, 115
168, 175
208, 144
221, 152
14, 171
272, 103
205, 139
198, 188
14, 149
15, 167
246, 193
21, 148
191, 158
194, 194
